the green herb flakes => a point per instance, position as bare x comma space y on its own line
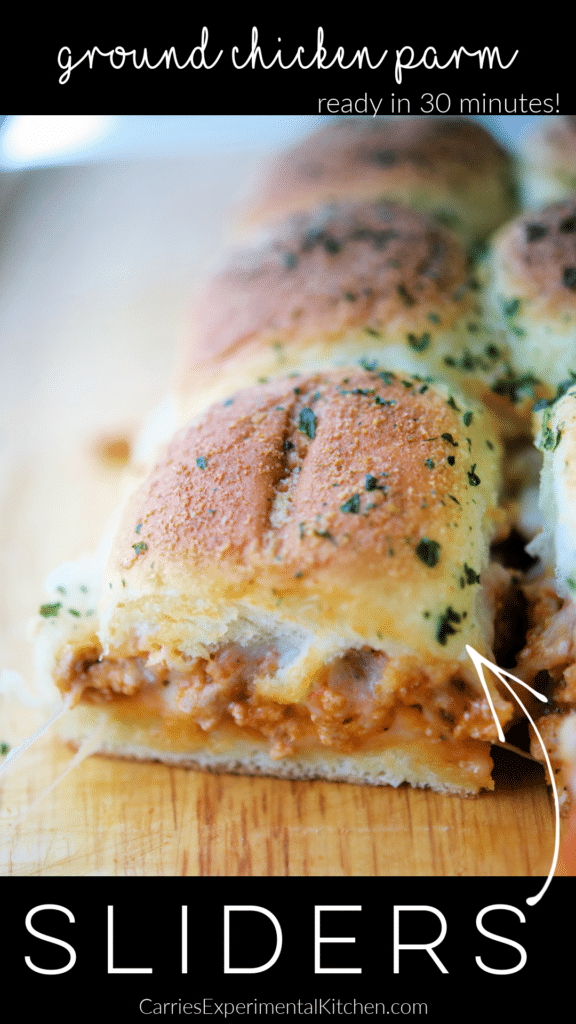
535, 231
352, 505
201, 462
569, 277
445, 625
140, 547
473, 479
4, 748
49, 611
419, 344
368, 364
550, 438
448, 437
72, 611
467, 419
428, 551
138, 528
307, 423
510, 307
471, 576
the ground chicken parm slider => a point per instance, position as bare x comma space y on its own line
291, 590
550, 160
549, 657
530, 278
449, 168
339, 285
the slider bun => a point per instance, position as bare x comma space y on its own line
324, 511
371, 282
531, 293
449, 168
550, 157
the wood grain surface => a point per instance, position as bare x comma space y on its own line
95, 276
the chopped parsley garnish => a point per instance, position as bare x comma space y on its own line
429, 463
371, 482
450, 460
448, 437
550, 438
510, 307
515, 387
352, 505
569, 277
138, 528
473, 479
452, 404
61, 590
201, 462
72, 611
535, 231
568, 225
386, 376
467, 419
471, 575
368, 364
445, 627
428, 551
4, 748
50, 610
419, 344
307, 423
384, 401
407, 299
434, 318
140, 547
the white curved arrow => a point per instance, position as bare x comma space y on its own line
479, 662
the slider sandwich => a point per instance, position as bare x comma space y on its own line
451, 169
291, 589
530, 293
372, 282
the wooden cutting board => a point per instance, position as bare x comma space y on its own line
95, 276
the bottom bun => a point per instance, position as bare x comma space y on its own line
398, 757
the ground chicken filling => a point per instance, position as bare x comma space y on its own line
360, 695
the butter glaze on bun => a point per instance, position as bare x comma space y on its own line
530, 277
347, 283
292, 588
449, 168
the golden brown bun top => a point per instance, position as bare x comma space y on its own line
536, 256
339, 480
348, 154
328, 271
